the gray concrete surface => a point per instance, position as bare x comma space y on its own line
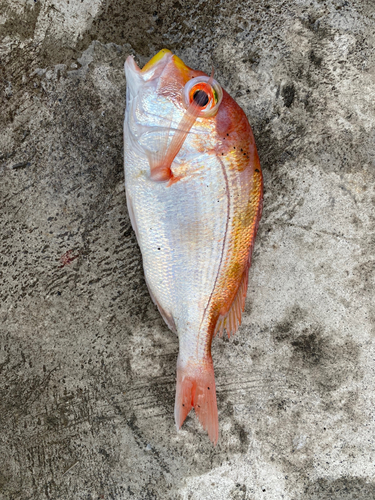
87, 366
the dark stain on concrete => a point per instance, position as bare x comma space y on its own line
316, 353
315, 59
309, 346
347, 488
288, 92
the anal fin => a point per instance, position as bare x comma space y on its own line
167, 317
132, 218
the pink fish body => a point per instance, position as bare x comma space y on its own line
194, 191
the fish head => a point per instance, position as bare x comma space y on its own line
157, 101
164, 76
175, 113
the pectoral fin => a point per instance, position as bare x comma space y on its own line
161, 161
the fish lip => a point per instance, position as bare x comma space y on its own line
131, 66
137, 78
152, 72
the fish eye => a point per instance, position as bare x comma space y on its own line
201, 98
206, 93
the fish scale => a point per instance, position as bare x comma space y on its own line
196, 218
190, 235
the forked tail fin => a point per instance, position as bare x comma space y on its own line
196, 389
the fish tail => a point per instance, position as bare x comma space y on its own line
196, 389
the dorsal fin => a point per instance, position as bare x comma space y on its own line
232, 319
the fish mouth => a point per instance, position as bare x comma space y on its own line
151, 70
140, 83
149, 128
136, 77
160, 60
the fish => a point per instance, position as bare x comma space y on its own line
194, 191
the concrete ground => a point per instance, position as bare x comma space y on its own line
87, 365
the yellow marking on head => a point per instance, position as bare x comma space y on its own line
182, 68
155, 59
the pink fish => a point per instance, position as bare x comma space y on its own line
194, 192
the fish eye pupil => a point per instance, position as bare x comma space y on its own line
201, 98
